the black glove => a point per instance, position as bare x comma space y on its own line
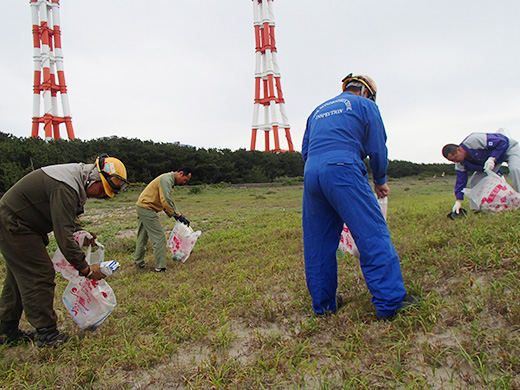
183, 220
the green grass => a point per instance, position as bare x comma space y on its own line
237, 314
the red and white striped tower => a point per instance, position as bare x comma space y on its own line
48, 59
268, 87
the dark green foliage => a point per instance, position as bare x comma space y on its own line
399, 168
145, 160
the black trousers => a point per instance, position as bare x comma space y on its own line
29, 280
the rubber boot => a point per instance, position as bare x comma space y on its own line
51, 337
11, 333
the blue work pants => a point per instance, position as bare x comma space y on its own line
335, 193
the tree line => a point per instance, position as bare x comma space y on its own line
145, 160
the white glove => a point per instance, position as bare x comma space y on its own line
489, 165
457, 206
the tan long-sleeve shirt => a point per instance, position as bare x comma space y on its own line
157, 195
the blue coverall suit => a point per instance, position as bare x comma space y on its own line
479, 147
340, 134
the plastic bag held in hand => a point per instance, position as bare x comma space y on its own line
182, 240
89, 302
493, 194
346, 242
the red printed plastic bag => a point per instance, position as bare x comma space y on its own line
493, 194
88, 301
182, 240
346, 242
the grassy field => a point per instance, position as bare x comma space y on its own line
237, 314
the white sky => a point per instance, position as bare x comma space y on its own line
169, 70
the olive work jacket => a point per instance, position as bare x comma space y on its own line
42, 205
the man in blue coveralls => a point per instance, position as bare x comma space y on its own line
478, 153
340, 134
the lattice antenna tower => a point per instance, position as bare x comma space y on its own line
268, 87
48, 69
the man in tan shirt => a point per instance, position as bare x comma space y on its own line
156, 197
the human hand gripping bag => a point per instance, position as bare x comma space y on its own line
493, 194
88, 301
182, 240
346, 241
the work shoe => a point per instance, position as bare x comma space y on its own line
11, 334
17, 337
160, 269
339, 304
51, 337
408, 301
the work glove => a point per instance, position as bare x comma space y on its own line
94, 272
90, 240
489, 165
183, 220
457, 206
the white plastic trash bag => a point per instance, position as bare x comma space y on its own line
88, 301
493, 194
346, 242
182, 240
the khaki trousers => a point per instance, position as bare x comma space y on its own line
149, 226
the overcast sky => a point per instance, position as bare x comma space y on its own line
169, 70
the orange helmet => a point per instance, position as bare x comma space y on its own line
113, 174
367, 82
